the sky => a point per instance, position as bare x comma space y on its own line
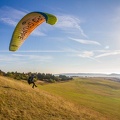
85, 39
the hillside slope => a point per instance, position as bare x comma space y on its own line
18, 101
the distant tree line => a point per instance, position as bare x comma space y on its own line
38, 76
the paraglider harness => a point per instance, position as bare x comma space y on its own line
30, 80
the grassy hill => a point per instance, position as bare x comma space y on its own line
74, 100
98, 94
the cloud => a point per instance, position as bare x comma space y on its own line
20, 58
8, 58
42, 51
8, 21
33, 57
107, 47
82, 41
11, 16
109, 53
67, 22
87, 54
37, 32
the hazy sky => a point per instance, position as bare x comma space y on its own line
86, 37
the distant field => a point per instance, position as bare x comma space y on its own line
98, 94
79, 99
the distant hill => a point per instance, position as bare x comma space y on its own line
114, 74
91, 74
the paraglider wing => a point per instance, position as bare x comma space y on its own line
26, 25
